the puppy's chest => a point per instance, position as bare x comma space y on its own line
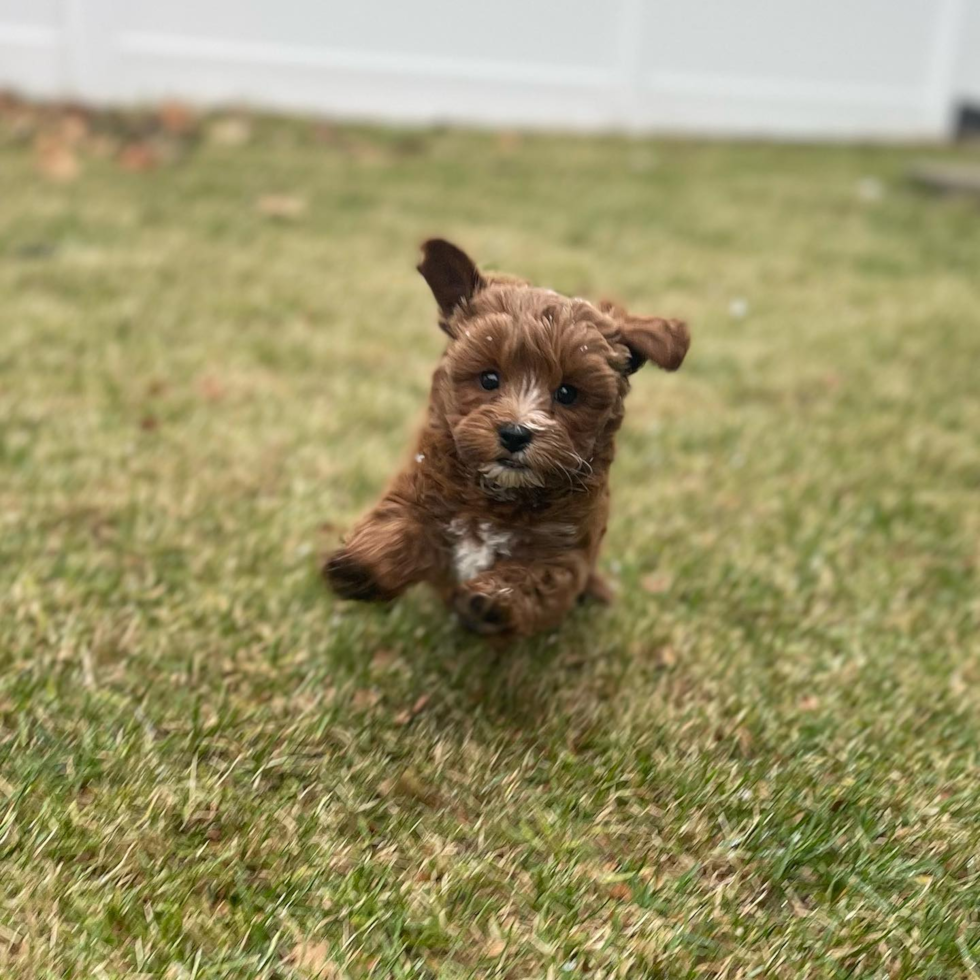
475, 546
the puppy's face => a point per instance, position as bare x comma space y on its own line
533, 382
533, 386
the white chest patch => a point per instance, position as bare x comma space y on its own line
476, 549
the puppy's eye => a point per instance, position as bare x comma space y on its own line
490, 380
566, 394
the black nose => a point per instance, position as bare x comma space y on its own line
514, 437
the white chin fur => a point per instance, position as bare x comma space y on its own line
510, 479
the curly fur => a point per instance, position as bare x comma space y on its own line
509, 539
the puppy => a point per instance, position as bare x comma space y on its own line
504, 504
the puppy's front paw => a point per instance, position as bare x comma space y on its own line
480, 612
351, 578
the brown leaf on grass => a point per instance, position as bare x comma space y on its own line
177, 118
55, 159
313, 959
138, 158
285, 207
655, 584
404, 717
809, 702
665, 656
73, 128
10, 105
365, 697
382, 659
149, 423
211, 389
494, 948
621, 892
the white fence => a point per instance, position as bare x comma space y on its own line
784, 68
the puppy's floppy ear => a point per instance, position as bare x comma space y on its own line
451, 274
665, 342
650, 338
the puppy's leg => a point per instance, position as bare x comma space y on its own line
520, 598
384, 554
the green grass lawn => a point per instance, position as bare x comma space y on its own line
763, 761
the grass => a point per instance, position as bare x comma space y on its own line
762, 762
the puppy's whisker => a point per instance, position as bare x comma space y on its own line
579, 475
575, 484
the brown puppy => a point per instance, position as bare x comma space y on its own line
504, 505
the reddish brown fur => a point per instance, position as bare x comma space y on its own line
509, 545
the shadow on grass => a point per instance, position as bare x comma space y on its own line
536, 686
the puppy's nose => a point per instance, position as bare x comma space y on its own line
514, 437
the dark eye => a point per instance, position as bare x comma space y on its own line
490, 380
566, 394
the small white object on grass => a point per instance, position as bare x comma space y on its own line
738, 308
